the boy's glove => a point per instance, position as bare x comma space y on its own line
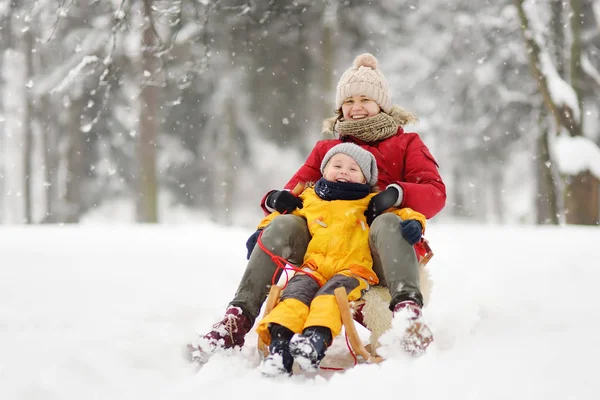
283, 201
251, 242
381, 202
411, 231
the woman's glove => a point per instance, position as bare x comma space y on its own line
411, 231
283, 201
381, 202
251, 242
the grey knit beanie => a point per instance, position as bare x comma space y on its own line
364, 159
364, 78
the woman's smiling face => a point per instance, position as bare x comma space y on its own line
359, 107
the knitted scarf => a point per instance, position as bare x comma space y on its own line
328, 190
373, 129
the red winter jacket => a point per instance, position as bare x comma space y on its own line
402, 159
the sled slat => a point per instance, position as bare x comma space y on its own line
272, 301
428, 253
348, 321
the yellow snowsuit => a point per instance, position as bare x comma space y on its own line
337, 255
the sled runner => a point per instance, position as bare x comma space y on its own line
348, 321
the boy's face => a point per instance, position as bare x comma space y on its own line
359, 107
342, 168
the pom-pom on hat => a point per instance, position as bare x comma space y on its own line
365, 160
364, 78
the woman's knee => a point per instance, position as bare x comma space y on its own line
287, 235
385, 224
287, 226
386, 231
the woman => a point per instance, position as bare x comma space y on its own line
407, 171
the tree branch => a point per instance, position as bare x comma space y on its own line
563, 113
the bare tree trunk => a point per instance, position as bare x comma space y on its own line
459, 208
497, 194
47, 160
225, 183
75, 164
558, 31
546, 204
14, 103
577, 77
479, 207
5, 43
147, 185
547, 210
582, 199
582, 205
328, 58
50, 158
28, 127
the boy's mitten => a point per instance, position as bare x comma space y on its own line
251, 242
283, 201
411, 231
381, 202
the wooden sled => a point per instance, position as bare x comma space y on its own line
272, 301
425, 254
355, 342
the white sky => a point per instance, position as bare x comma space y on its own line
93, 312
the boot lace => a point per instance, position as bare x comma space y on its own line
229, 324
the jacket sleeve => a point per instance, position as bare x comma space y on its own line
267, 220
309, 172
408, 213
423, 188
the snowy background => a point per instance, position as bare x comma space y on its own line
98, 312
204, 106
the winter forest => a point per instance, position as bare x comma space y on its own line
199, 107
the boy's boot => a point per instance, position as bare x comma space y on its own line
308, 348
417, 336
226, 334
279, 361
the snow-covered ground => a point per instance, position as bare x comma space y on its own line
102, 312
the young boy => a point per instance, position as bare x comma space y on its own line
338, 255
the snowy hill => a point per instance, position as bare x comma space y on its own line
94, 312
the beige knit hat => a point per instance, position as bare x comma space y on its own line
364, 78
364, 158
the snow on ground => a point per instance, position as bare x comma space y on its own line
102, 312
